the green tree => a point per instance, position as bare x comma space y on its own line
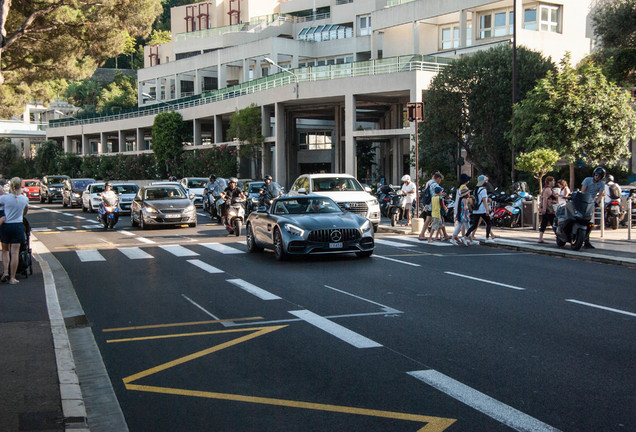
245, 125
84, 93
159, 37
8, 155
168, 135
579, 114
46, 160
46, 40
121, 93
469, 105
537, 162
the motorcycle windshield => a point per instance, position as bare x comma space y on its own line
583, 205
221, 184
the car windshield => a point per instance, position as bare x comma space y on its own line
126, 189
336, 184
31, 183
254, 187
97, 188
53, 180
81, 184
309, 205
164, 193
197, 183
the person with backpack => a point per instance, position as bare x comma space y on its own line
546, 205
462, 209
427, 195
481, 211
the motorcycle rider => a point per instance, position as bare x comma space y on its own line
109, 196
231, 191
594, 186
268, 192
612, 190
212, 190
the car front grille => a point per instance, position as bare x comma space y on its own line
328, 235
171, 210
359, 208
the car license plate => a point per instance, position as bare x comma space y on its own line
173, 216
335, 245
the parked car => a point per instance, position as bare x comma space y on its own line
162, 204
344, 189
126, 192
31, 188
308, 224
90, 196
72, 191
51, 187
195, 185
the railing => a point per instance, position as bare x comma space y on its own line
391, 3
307, 74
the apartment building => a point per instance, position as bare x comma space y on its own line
329, 75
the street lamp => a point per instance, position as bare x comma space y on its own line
273, 63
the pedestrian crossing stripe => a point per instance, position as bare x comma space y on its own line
90, 255
135, 253
220, 247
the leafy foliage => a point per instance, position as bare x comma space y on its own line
168, 135
47, 159
245, 124
538, 162
8, 155
615, 23
469, 105
220, 161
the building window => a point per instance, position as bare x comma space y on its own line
316, 140
449, 38
530, 19
364, 25
542, 18
496, 23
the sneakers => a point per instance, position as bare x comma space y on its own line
490, 240
465, 241
475, 242
453, 241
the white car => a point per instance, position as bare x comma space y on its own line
344, 189
126, 192
195, 185
90, 196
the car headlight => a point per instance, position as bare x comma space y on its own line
150, 209
366, 226
373, 202
76, 195
190, 208
294, 230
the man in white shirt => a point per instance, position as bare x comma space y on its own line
409, 192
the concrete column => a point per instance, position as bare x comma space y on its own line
463, 32
221, 72
397, 160
374, 45
68, 144
198, 82
246, 70
416, 37
139, 140
218, 129
266, 113
196, 133
349, 125
280, 151
85, 144
336, 142
294, 61
102, 147
177, 86
122, 141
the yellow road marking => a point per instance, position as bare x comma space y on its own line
181, 324
169, 336
433, 424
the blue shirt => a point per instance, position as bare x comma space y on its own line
593, 188
14, 207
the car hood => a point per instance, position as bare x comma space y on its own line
198, 191
327, 220
127, 196
347, 196
180, 203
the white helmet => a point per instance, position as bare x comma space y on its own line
406, 177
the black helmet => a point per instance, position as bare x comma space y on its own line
267, 177
232, 180
600, 172
212, 177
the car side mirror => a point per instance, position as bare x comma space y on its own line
191, 196
367, 189
302, 191
262, 209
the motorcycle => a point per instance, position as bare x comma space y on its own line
614, 213
108, 214
384, 196
449, 201
235, 216
573, 219
212, 203
395, 207
507, 211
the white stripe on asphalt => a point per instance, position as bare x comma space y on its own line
89, 255
417, 240
253, 289
394, 260
219, 247
336, 330
145, 240
204, 266
93, 226
68, 214
486, 281
135, 253
601, 307
491, 407
128, 233
178, 250
392, 243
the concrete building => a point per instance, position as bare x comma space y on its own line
329, 75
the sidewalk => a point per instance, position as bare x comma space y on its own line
613, 248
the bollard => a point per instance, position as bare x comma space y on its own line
602, 221
416, 225
629, 218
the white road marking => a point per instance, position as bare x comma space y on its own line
200, 307
145, 240
336, 330
386, 308
486, 281
491, 407
204, 266
392, 243
89, 255
93, 226
424, 242
41, 229
253, 289
65, 227
219, 247
68, 214
80, 217
135, 253
602, 307
398, 261
178, 250
128, 233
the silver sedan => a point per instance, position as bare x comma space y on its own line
166, 204
308, 224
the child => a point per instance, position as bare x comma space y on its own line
462, 209
437, 203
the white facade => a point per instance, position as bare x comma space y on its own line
351, 69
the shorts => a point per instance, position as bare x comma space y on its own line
12, 233
437, 224
408, 205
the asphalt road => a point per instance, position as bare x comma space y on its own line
197, 334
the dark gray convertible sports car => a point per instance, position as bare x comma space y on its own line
308, 224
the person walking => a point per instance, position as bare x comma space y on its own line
462, 215
430, 185
409, 196
481, 210
437, 205
12, 233
546, 206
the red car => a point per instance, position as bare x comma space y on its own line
31, 188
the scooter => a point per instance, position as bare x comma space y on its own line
573, 219
508, 211
614, 213
108, 215
235, 216
395, 207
